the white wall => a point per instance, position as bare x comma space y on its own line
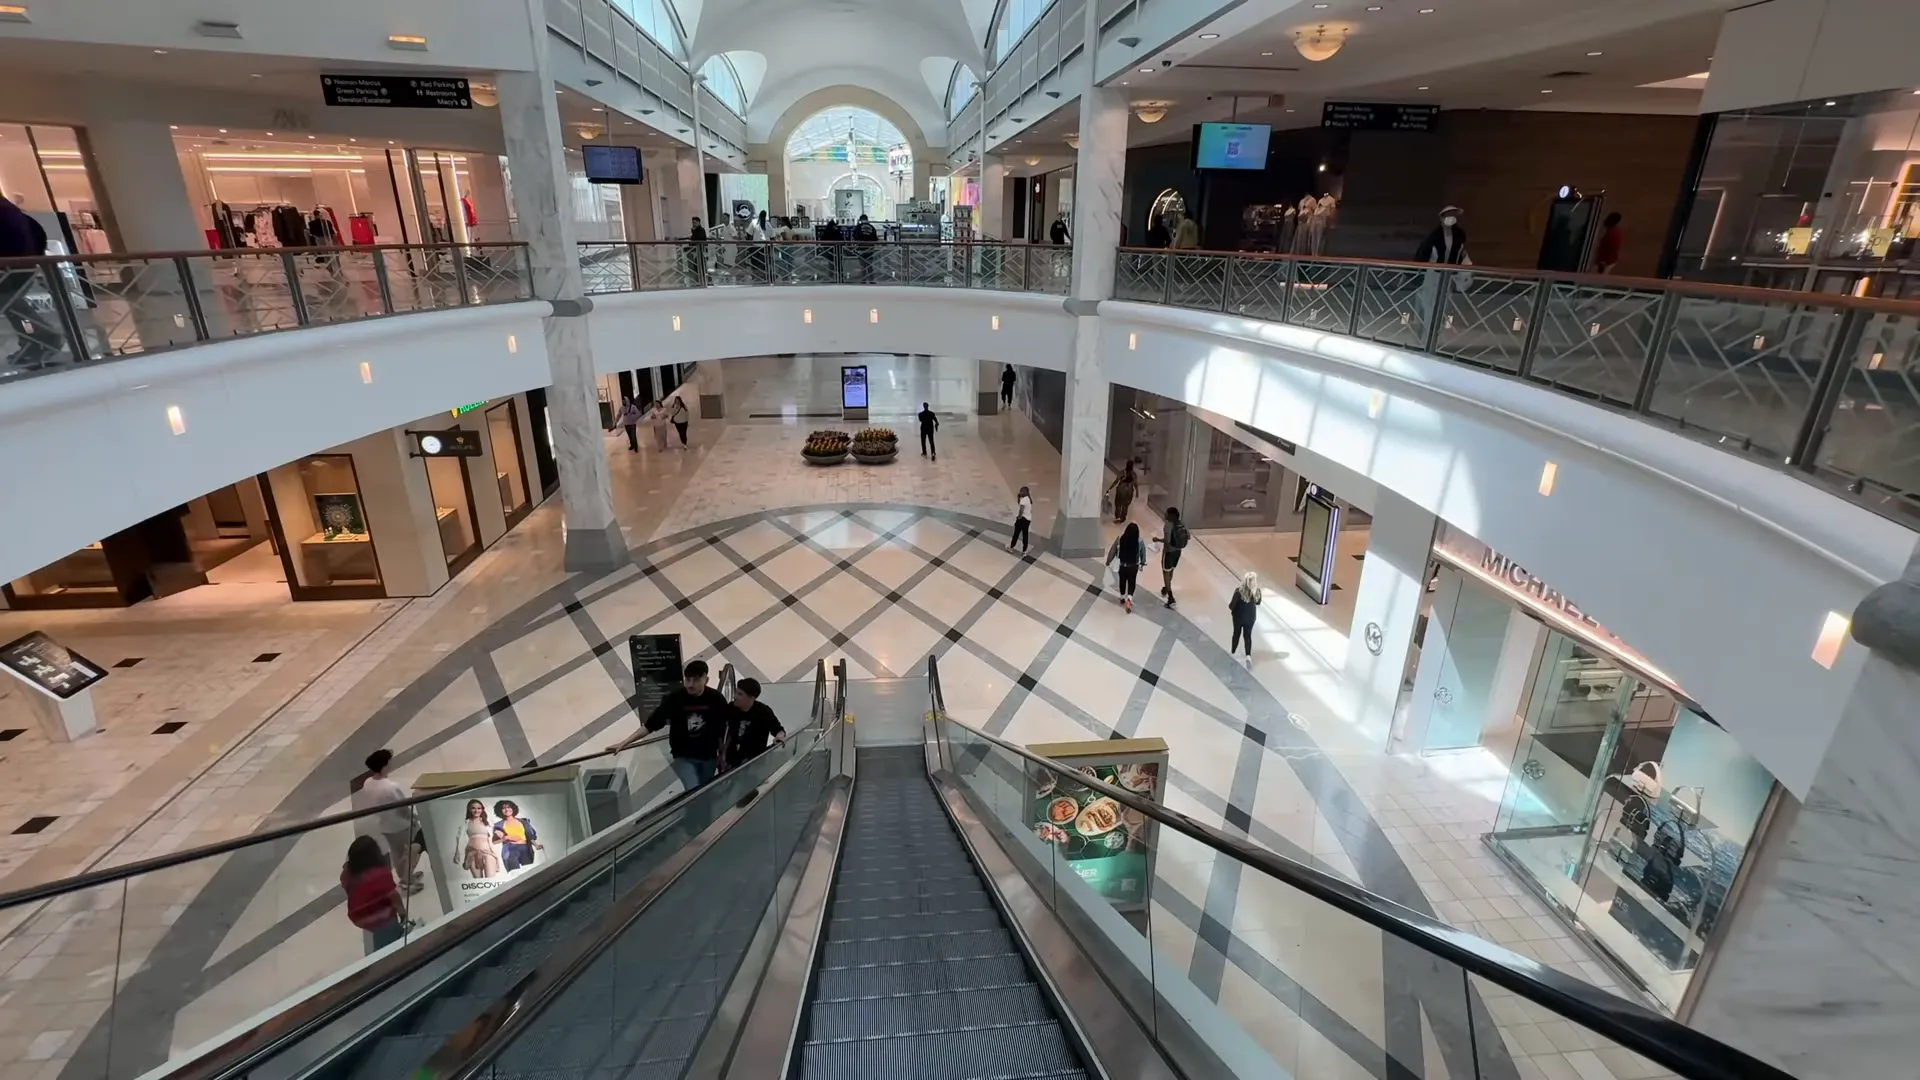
249, 405
1792, 50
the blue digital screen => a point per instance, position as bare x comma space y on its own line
1230, 146
853, 387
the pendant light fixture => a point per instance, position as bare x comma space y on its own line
1320, 43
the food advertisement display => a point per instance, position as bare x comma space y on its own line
1110, 846
485, 840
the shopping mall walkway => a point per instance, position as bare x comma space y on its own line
757, 559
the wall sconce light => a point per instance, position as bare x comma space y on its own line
1833, 633
1319, 45
676, 324
1150, 112
366, 372
996, 322
1133, 341
1548, 473
14, 13
873, 315
806, 316
513, 344
407, 42
1375, 402
176, 421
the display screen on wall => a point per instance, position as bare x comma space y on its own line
611, 164
1230, 146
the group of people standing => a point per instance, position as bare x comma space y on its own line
658, 415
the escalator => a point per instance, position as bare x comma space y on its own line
919, 975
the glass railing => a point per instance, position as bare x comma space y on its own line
1817, 383
63, 311
206, 959
1310, 975
683, 264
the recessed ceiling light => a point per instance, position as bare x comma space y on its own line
1546, 91
176, 127
1146, 71
597, 108
1270, 54
1831, 103
313, 136
1321, 7
223, 131
1423, 88
253, 75
1208, 37
1596, 52
352, 139
1123, 82
269, 134
159, 52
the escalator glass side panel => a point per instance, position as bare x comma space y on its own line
918, 974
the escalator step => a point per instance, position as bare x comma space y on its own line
396, 1057
920, 1014
916, 949
866, 907
893, 926
1012, 1053
968, 973
848, 878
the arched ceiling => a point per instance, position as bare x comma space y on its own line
813, 44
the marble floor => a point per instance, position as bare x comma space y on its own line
757, 559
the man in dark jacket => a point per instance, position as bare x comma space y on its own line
865, 236
696, 717
754, 725
929, 421
21, 237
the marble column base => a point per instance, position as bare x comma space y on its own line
989, 402
596, 551
713, 406
1078, 537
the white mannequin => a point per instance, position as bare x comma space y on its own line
1304, 223
1319, 222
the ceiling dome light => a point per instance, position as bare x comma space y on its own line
1150, 112
1319, 45
1073, 138
1033, 161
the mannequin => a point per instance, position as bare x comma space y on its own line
1320, 222
1447, 243
1289, 223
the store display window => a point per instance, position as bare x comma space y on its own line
326, 542
82, 579
509, 466
1629, 811
452, 489
44, 172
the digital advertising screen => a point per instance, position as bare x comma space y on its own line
1109, 846
1230, 146
489, 839
611, 164
49, 666
853, 387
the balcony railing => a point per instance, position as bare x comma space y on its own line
644, 267
1821, 384
73, 310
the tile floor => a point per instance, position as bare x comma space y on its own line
753, 556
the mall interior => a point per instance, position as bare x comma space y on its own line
1508, 417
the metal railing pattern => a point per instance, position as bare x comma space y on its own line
618, 267
1821, 384
70, 310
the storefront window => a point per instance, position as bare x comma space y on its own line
43, 172
509, 469
81, 579
326, 540
453, 511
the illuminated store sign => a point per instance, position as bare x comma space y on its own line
1505, 570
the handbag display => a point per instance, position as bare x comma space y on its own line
1646, 780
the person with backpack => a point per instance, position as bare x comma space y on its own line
373, 900
1130, 551
1022, 521
1243, 607
1173, 543
679, 417
865, 236
929, 423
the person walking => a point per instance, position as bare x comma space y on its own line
1243, 607
1172, 544
373, 900
395, 826
753, 727
678, 415
1022, 521
1058, 233
657, 419
929, 423
1130, 551
695, 716
1123, 488
1006, 385
630, 419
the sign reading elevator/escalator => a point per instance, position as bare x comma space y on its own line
397, 91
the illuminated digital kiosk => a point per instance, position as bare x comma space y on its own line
1108, 846
853, 393
496, 835
59, 685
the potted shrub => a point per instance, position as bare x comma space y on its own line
826, 448
875, 446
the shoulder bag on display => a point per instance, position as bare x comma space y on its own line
1646, 780
1664, 852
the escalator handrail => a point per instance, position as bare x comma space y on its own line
123, 871
1660, 1039
468, 1052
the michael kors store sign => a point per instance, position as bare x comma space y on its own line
1516, 578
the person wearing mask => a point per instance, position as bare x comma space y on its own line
630, 419
865, 236
695, 716
678, 415
1243, 607
1130, 551
1447, 243
1022, 521
1006, 385
753, 727
1186, 234
1058, 232
1172, 544
22, 237
929, 423
373, 901
1606, 254
395, 826
1123, 488
657, 419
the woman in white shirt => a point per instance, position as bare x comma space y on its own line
1022, 521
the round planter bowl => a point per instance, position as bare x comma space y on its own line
823, 459
883, 458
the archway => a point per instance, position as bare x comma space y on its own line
838, 163
773, 150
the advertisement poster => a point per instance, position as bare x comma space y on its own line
853, 386
1108, 845
486, 840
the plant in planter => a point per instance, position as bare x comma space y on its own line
875, 446
826, 447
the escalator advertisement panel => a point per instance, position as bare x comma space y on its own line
490, 840
1109, 846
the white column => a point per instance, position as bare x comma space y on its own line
993, 202
1393, 582
530, 124
986, 387
1819, 971
1101, 167
693, 193
149, 209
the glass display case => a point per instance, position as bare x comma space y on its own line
509, 466
326, 543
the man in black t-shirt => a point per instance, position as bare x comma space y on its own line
752, 727
695, 716
929, 420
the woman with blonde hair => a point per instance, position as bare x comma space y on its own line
1244, 606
